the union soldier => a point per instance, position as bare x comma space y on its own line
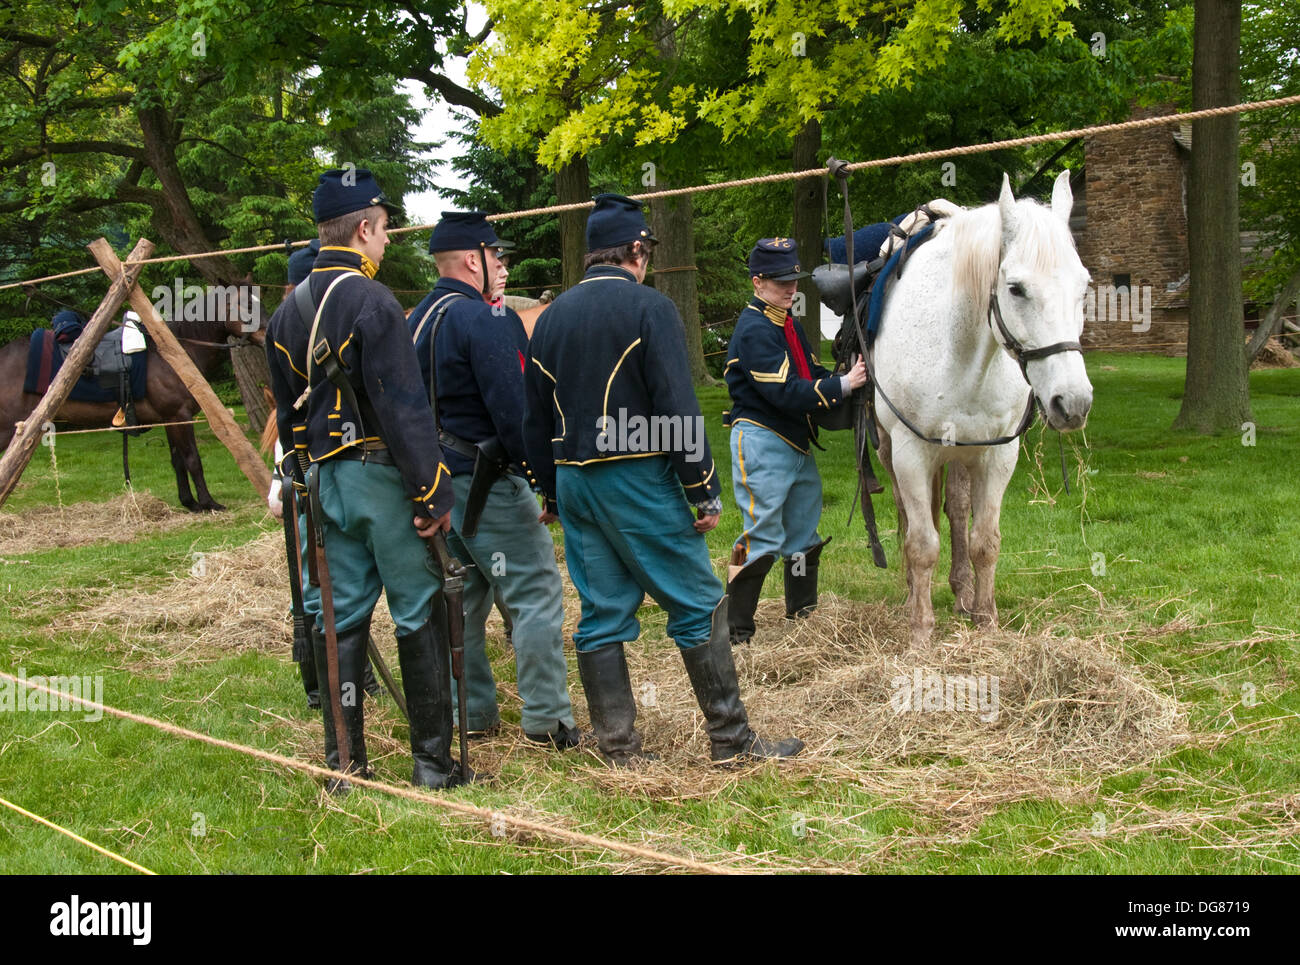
477, 360
300, 265
350, 405
607, 386
777, 388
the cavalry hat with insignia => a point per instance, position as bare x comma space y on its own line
777, 259
301, 262
464, 231
341, 192
615, 221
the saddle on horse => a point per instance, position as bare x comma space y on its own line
111, 375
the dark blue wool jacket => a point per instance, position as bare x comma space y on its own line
366, 328
607, 361
766, 388
480, 357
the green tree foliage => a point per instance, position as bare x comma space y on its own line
201, 124
511, 181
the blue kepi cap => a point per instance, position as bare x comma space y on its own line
465, 231
345, 190
776, 259
616, 220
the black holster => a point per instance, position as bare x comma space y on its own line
490, 463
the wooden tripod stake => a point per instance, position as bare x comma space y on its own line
124, 278
25, 440
223, 424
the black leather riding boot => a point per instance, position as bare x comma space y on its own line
426, 680
743, 590
609, 699
801, 581
352, 660
368, 682
307, 667
713, 676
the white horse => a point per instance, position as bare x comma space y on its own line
985, 317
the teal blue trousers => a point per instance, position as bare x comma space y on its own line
628, 532
372, 546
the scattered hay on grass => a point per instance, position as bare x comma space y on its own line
117, 520
1068, 712
227, 601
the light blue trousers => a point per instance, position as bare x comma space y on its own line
778, 490
513, 553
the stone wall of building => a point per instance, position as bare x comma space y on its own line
1135, 230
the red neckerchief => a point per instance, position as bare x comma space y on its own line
796, 350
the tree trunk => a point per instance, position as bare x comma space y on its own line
1216, 394
251, 374
572, 184
673, 222
1271, 323
177, 222
808, 227
179, 226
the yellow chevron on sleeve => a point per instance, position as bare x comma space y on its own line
780, 375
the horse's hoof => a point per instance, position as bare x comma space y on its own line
921, 640
213, 507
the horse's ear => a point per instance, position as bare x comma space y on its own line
1007, 209
1062, 196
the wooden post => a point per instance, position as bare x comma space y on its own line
223, 424
20, 450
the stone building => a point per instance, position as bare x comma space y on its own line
1130, 225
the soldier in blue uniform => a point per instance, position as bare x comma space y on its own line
300, 265
478, 358
777, 388
350, 404
615, 439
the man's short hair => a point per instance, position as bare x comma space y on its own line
617, 255
339, 231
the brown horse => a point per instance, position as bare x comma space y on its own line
166, 398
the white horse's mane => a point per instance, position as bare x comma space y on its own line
1041, 240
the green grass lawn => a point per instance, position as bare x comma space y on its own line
1180, 549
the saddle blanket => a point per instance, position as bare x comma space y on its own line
888, 273
101, 381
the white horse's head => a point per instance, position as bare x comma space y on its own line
1039, 289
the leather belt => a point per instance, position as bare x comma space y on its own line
380, 457
457, 444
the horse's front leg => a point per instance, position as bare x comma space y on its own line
176, 443
186, 462
914, 493
956, 505
988, 483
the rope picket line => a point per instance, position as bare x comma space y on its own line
78, 838
589, 841
1158, 121
150, 425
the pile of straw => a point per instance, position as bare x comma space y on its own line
1069, 711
